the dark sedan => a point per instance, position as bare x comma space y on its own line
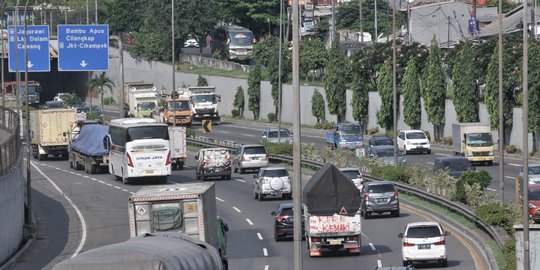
283, 222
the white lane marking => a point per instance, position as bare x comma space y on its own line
266, 267
125, 190
372, 246
265, 252
132, 193
249, 221
249, 135
219, 199
490, 189
441, 154
117, 187
83, 222
221, 131
379, 264
260, 236
511, 177
101, 181
108, 184
430, 163
514, 164
240, 180
237, 210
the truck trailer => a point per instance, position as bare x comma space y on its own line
86, 149
473, 141
177, 142
331, 205
49, 132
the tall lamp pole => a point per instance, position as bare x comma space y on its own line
525, 131
28, 217
501, 116
279, 69
96, 17
3, 56
173, 65
394, 87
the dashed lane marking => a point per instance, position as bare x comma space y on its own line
240, 180
222, 131
379, 264
372, 246
219, 199
430, 163
266, 267
249, 221
265, 252
236, 209
249, 135
490, 189
511, 177
441, 154
260, 236
514, 164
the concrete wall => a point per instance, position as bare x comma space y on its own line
160, 75
12, 200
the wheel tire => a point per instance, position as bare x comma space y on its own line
235, 169
180, 166
42, 157
93, 169
228, 177
71, 164
429, 152
490, 163
395, 213
242, 170
255, 195
125, 180
276, 237
444, 263
225, 264
367, 215
261, 197
406, 263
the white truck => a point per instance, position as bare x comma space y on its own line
49, 132
177, 141
142, 101
204, 103
187, 208
331, 205
474, 141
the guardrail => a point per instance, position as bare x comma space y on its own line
10, 143
453, 206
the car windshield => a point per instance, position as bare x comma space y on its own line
204, 98
55, 105
381, 188
384, 152
385, 141
479, 139
242, 38
286, 212
255, 150
534, 170
351, 129
32, 89
148, 132
275, 173
534, 195
180, 105
351, 174
416, 135
146, 106
274, 134
423, 232
458, 165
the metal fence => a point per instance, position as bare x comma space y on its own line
10, 141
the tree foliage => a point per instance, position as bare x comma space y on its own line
257, 15
385, 115
434, 88
463, 87
202, 81
335, 83
101, 82
360, 95
317, 106
369, 60
239, 100
125, 15
412, 111
254, 90
534, 91
272, 68
313, 55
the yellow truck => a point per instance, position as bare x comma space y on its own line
473, 141
49, 132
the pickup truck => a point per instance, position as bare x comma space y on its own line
345, 136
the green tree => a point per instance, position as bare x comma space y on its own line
360, 95
125, 15
412, 111
335, 83
313, 56
385, 115
239, 100
202, 81
100, 82
317, 106
272, 70
434, 89
463, 89
254, 90
257, 15
534, 91
507, 6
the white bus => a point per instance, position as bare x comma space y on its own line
138, 148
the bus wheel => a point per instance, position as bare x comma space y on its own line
125, 180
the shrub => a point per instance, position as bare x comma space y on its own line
509, 253
481, 177
494, 214
93, 116
190, 133
372, 131
447, 140
108, 101
235, 113
390, 133
272, 117
391, 173
328, 125
460, 195
510, 149
278, 148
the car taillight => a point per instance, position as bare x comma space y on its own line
407, 244
266, 157
366, 195
395, 194
281, 218
168, 160
243, 158
130, 162
439, 243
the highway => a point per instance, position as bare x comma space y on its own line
76, 212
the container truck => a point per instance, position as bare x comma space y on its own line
204, 103
473, 141
86, 149
331, 205
187, 208
177, 141
171, 251
49, 132
345, 136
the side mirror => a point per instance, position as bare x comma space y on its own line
197, 157
219, 98
400, 235
106, 143
273, 213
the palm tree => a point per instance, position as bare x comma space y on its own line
100, 82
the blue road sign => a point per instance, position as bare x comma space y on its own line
83, 47
37, 46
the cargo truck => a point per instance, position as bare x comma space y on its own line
204, 103
49, 132
177, 142
473, 141
142, 102
187, 208
176, 109
86, 149
331, 205
160, 251
345, 136
130, 87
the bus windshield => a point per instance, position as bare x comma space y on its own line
241, 38
147, 132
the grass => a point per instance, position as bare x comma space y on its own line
497, 253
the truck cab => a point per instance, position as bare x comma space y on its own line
473, 141
177, 109
345, 136
204, 104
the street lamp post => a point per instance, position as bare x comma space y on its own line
501, 116
173, 66
121, 55
525, 131
394, 87
3, 57
279, 68
28, 217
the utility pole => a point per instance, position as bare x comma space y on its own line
87, 13
297, 179
96, 20
29, 223
17, 78
279, 68
3, 57
361, 21
448, 36
525, 132
394, 86
334, 35
376, 33
121, 52
173, 95
501, 108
